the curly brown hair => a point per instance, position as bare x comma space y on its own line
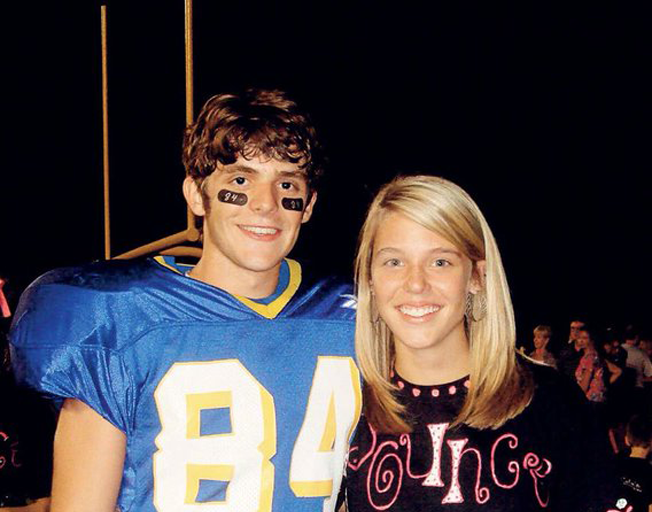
255, 122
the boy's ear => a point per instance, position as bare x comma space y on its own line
193, 195
307, 212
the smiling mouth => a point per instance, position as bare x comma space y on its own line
260, 230
418, 311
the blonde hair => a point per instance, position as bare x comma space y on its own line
543, 329
501, 388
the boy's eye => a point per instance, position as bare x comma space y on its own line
286, 185
240, 180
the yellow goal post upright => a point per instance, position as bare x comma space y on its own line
176, 244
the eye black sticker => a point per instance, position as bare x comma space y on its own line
293, 204
226, 196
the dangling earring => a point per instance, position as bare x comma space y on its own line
476, 306
479, 306
375, 315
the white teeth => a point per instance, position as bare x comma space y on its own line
260, 231
418, 312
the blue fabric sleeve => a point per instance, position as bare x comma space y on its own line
92, 375
63, 345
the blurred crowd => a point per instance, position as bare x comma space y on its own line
613, 369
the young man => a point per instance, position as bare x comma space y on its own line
637, 358
570, 354
226, 386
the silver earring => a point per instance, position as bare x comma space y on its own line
476, 306
375, 316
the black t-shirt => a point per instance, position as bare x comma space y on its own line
549, 457
27, 426
635, 490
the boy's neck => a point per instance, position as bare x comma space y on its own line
226, 275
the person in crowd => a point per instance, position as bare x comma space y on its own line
590, 372
570, 354
620, 387
228, 385
611, 338
542, 334
645, 344
635, 472
27, 424
611, 346
453, 418
638, 360
5, 311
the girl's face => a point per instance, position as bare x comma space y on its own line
540, 340
584, 340
420, 282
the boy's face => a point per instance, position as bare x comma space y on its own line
540, 340
575, 327
248, 227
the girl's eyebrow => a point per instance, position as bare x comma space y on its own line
437, 250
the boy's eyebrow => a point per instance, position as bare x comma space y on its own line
239, 169
294, 173
245, 169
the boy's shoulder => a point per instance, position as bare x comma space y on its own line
323, 296
72, 303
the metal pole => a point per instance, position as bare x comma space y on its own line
105, 139
190, 115
156, 246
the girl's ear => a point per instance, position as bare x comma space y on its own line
478, 276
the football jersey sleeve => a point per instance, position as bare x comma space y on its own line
63, 345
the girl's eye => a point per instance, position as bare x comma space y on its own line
240, 180
393, 262
441, 263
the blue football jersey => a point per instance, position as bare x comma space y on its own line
228, 404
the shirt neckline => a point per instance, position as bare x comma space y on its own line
447, 389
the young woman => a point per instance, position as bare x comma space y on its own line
453, 419
541, 353
590, 370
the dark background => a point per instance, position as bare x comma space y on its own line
540, 111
